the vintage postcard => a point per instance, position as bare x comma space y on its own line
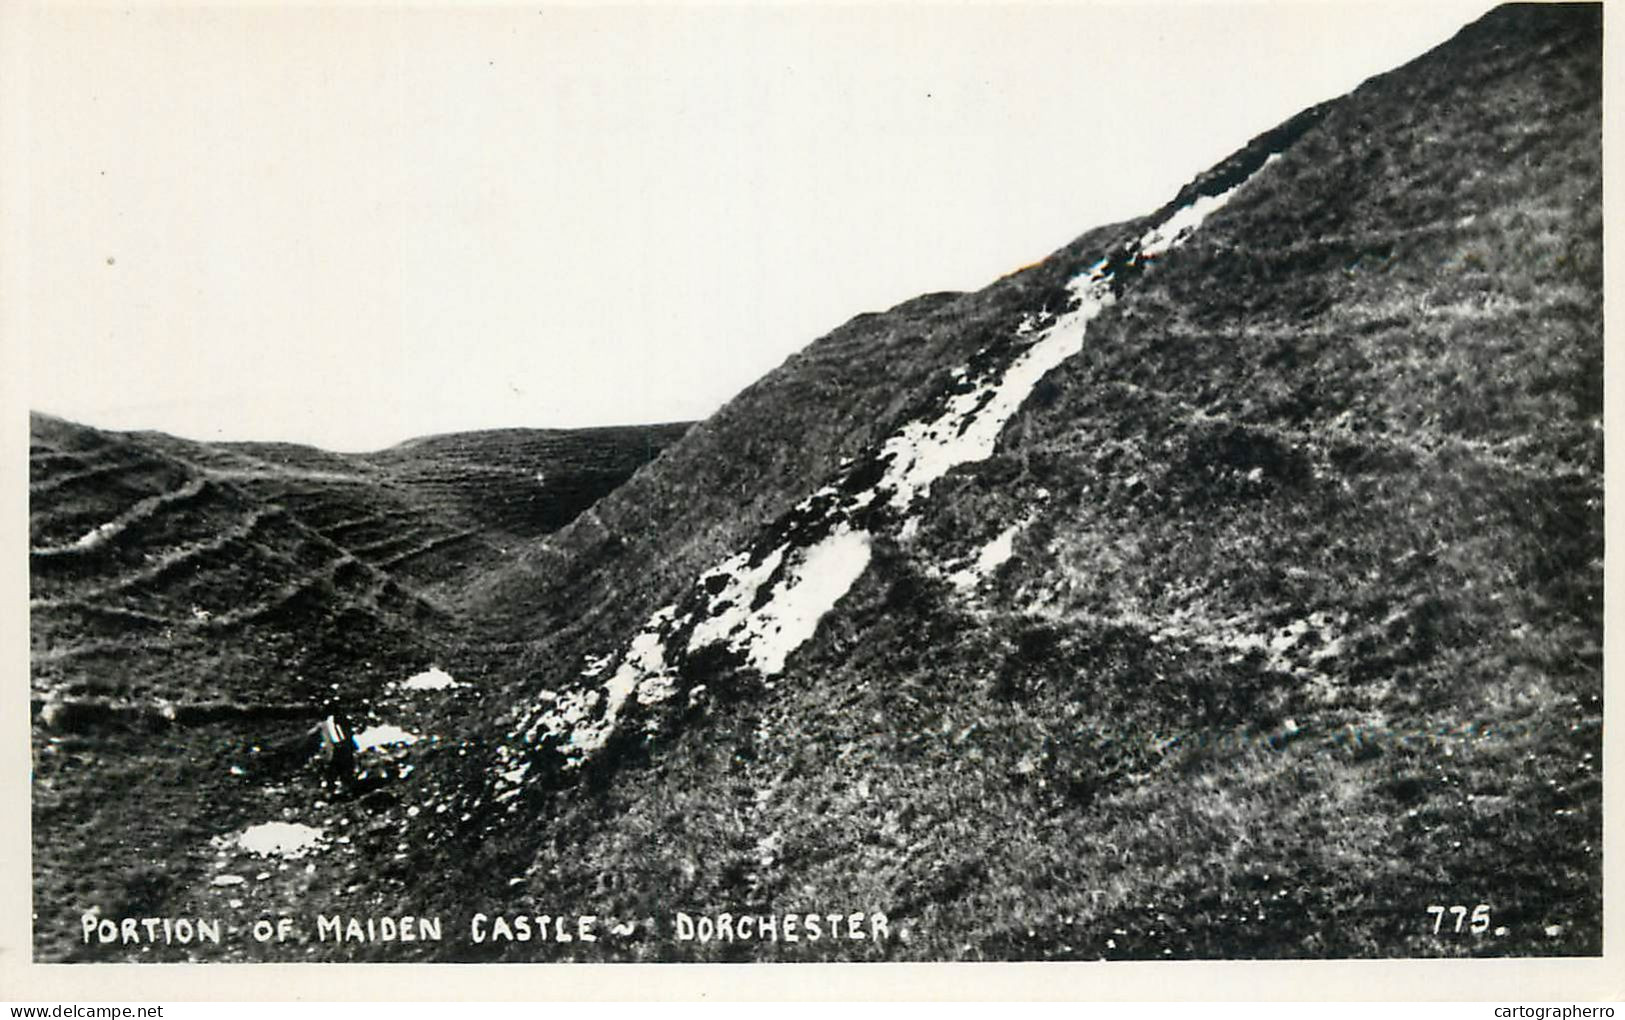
511, 488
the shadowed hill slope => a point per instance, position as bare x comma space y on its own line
1251, 624
149, 532
195, 604
161, 576
522, 482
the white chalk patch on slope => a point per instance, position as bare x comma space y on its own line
432, 679
643, 672
989, 558
816, 579
811, 580
586, 718
645, 666
280, 839
968, 428
1173, 231
97, 535
382, 736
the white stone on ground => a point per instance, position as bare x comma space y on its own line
381, 736
432, 679
280, 839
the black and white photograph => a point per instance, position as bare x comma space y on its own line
821, 484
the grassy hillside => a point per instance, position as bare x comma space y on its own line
1300, 629
194, 605
522, 482
1227, 585
142, 561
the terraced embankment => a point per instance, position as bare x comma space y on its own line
194, 606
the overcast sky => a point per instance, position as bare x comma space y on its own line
353, 227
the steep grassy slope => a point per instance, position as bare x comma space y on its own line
195, 604
1272, 619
